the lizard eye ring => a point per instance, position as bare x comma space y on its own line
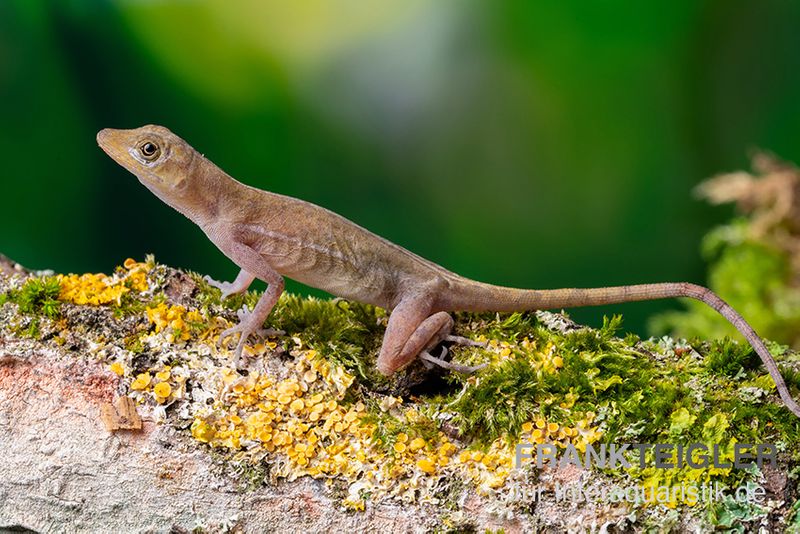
149, 150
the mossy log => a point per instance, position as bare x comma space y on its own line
120, 411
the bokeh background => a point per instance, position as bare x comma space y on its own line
522, 143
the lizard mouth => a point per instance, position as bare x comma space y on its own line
108, 140
112, 142
104, 140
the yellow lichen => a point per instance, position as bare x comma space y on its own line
174, 320
117, 368
416, 444
162, 390
98, 289
164, 374
427, 465
91, 289
141, 381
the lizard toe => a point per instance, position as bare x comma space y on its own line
269, 332
237, 355
225, 287
228, 333
213, 283
457, 367
245, 330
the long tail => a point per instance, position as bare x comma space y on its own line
475, 296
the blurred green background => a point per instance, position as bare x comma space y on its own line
521, 143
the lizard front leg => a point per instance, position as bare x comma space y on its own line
250, 322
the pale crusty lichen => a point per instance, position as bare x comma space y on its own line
305, 406
305, 419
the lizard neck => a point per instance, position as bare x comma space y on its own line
209, 191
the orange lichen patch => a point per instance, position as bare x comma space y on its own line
161, 384
164, 374
99, 289
137, 281
416, 444
428, 465
259, 349
299, 418
176, 321
92, 289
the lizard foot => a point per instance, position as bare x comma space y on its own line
244, 332
244, 316
227, 288
246, 327
428, 359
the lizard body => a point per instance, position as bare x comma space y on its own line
270, 236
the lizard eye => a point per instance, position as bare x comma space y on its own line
149, 150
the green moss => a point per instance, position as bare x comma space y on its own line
728, 358
348, 333
598, 370
131, 304
33, 329
38, 296
504, 397
634, 387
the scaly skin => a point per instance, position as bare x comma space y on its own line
271, 236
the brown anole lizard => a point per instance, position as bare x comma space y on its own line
270, 236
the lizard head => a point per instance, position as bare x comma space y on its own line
160, 159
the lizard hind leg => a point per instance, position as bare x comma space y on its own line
409, 334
